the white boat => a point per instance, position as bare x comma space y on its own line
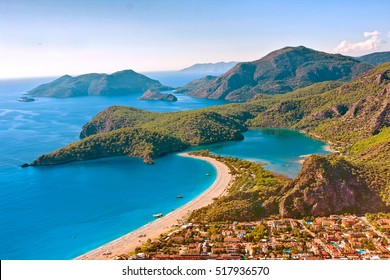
26, 99
159, 215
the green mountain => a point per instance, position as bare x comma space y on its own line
118, 83
350, 112
375, 58
281, 71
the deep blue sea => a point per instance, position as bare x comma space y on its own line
60, 212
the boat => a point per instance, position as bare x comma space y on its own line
159, 215
207, 174
26, 99
179, 196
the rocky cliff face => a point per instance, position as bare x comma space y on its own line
329, 185
281, 71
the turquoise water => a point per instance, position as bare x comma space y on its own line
60, 212
63, 211
281, 150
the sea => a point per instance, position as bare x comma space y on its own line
63, 211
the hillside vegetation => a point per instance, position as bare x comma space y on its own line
375, 58
119, 83
246, 197
129, 131
281, 71
134, 142
347, 113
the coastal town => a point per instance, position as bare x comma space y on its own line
337, 237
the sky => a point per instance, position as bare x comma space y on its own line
53, 38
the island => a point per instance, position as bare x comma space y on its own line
119, 83
154, 94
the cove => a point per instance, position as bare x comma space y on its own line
280, 150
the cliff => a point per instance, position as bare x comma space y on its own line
329, 185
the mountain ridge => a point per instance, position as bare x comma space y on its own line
281, 71
375, 58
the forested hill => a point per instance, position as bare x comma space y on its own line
375, 58
281, 71
352, 111
120, 131
119, 83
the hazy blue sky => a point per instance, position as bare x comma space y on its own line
42, 37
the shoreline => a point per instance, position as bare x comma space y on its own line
130, 241
329, 149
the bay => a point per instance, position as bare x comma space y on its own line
60, 212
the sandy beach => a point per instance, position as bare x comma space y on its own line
330, 149
130, 241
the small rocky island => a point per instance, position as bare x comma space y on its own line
153, 94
